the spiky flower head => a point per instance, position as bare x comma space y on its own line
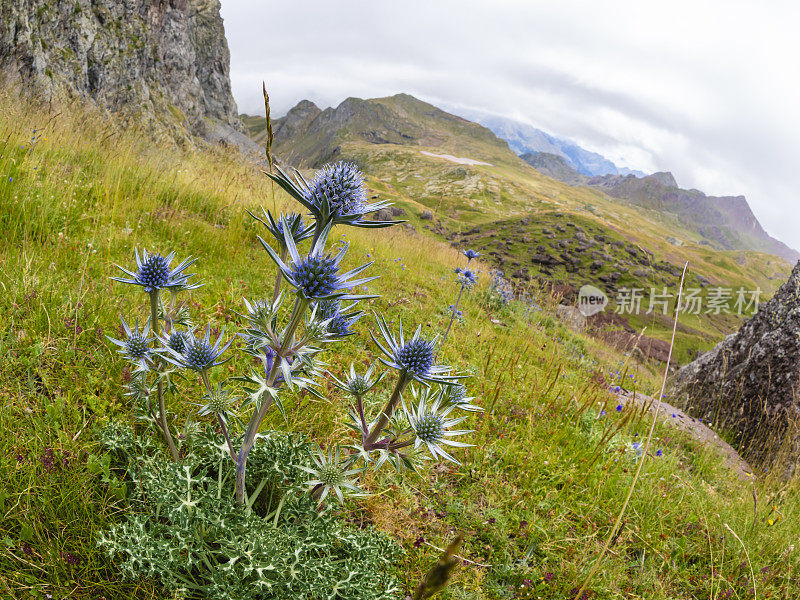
414, 357
136, 345
292, 222
468, 278
341, 186
327, 308
340, 324
432, 427
470, 254
177, 340
200, 354
217, 402
331, 474
357, 385
316, 276
335, 196
456, 395
153, 273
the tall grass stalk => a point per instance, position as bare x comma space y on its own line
647, 443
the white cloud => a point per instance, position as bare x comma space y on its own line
704, 89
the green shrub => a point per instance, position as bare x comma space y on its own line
185, 528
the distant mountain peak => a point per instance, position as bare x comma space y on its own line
523, 138
665, 178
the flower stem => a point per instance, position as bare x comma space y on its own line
388, 411
452, 318
162, 408
300, 306
279, 276
207, 383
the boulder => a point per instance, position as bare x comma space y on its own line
571, 317
749, 383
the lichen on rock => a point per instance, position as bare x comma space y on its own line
749, 384
162, 62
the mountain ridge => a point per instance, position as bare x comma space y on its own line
714, 216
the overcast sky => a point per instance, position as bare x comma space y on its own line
709, 90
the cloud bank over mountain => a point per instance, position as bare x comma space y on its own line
700, 89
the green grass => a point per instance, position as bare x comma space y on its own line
537, 495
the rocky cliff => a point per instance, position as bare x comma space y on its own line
159, 61
750, 383
727, 222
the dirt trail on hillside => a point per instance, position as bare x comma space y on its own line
696, 429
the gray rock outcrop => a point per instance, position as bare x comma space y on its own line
749, 384
157, 61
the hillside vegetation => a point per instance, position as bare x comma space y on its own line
536, 497
515, 214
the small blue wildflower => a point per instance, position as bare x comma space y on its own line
340, 324
341, 186
316, 276
153, 272
335, 195
136, 345
659, 453
177, 341
468, 278
470, 254
293, 222
602, 413
432, 428
199, 354
413, 357
619, 407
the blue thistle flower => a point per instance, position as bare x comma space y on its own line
136, 345
199, 354
336, 195
456, 395
153, 272
340, 324
414, 358
316, 276
432, 427
468, 278
341, 186
358, 385
470, 254
297, 229
177, 341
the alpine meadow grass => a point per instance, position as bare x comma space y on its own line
535, 495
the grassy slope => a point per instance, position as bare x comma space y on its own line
536, 496
490, 198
